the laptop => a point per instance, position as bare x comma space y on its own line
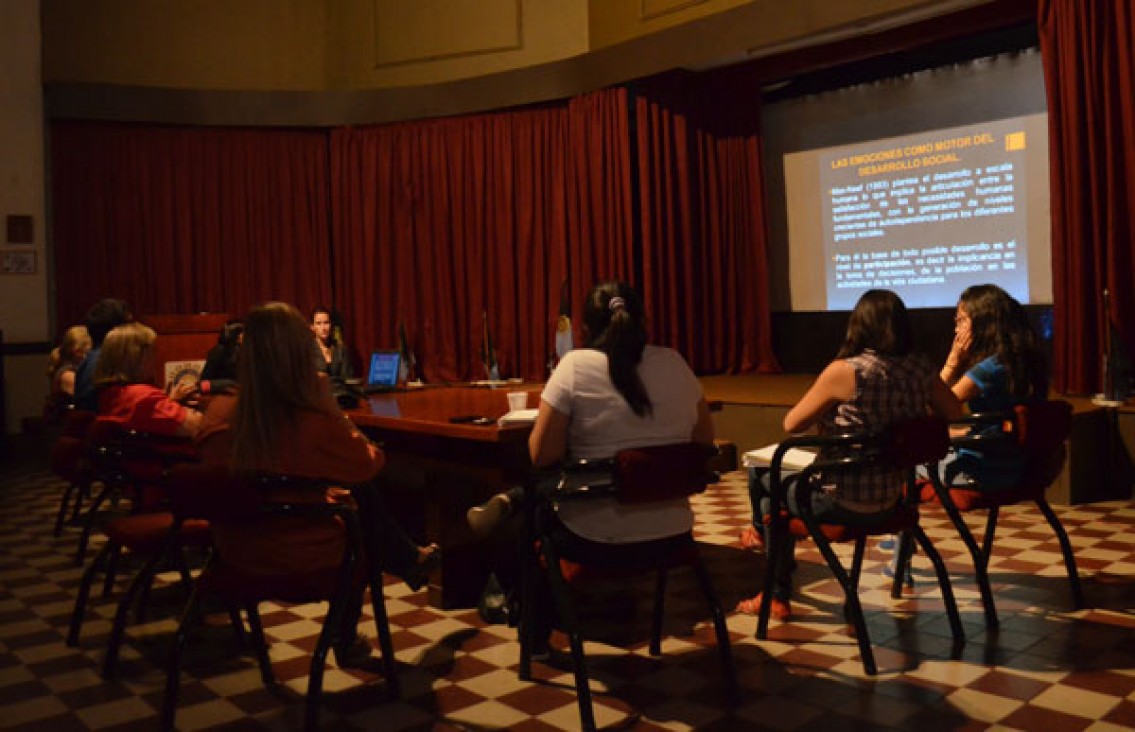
382, 374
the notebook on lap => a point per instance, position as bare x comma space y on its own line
382, 374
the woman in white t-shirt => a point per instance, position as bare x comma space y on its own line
615, 394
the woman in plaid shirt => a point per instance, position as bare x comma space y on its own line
876, 380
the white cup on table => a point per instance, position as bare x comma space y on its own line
517, 400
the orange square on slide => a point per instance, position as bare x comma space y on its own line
1015, 141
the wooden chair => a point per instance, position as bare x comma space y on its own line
901, 448
640, 475
1038, 430
213, 494
136, 463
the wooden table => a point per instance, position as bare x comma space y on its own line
436, 470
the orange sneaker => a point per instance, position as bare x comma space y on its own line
753, 539
780, 609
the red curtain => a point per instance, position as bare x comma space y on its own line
185, 220
438, 223
600, 201
1088, 48
704, 242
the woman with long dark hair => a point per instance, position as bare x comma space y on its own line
284, 420
995, 363
876, 379
619, 392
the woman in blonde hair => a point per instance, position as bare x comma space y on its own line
124, 378
61, 366
283, 419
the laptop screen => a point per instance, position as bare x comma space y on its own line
383, 369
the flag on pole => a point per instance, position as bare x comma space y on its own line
488, 353
564, 341
407, 362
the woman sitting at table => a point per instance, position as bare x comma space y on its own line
124, 378
284, 420
876, 380
616, 393
333, 359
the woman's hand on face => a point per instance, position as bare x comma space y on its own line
963, 340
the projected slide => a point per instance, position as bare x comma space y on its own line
926, 215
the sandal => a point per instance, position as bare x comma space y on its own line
780, 609
753, 539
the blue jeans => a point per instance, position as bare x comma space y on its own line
821, 504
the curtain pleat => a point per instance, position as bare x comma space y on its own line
1088, 48
704, 244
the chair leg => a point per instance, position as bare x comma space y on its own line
977, 555
84, 492
385, 641
720, 629
776, 546
111, 571
260, 645
943, 582
61, 516
173, 668
990, 530
237, 623
329, 635
659, 613
89, 524
905, 551
851, 593
1066, 550
84, 593
138, 587
566, 611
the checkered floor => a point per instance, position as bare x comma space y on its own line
1046, 668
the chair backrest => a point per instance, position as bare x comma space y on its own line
660, 472
132, 455
216, 494
1042, 428
914, 442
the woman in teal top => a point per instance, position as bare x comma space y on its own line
995, 364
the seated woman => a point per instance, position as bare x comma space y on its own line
616, 393
876, 380
995, 364
283, 419
61, 367
124, 378
333, 359
219, 372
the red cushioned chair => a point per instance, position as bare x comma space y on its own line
640, 475
213, 494
1039, 429
903, 447
134, 463
71, 462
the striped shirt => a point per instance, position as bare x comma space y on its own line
888, 389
